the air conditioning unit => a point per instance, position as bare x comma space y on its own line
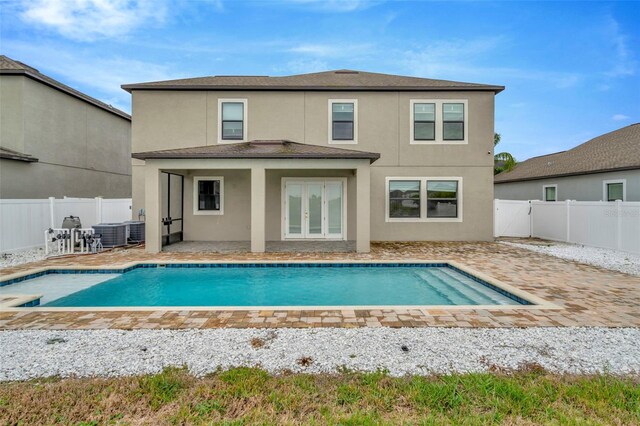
136, 231
112, 234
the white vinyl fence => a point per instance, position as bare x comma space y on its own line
23, 222
614, 225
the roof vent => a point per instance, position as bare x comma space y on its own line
347, 72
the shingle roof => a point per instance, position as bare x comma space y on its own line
10, 66
328, 80
617, 150
9, 154
260, 149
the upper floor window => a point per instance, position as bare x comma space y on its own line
343, 124
550, 192
452, 121
424, 122
438, 121
208, 195
615, 190
232, 115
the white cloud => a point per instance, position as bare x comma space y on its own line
87, 20
624, 61
303, 66
335, 50
336, 5
620, 117
103, 74
461, 60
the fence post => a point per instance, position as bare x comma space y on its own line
52, 201
98, 209
568, 202
495, 218
618, 224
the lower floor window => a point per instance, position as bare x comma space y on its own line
550, 193
208, 193
442, 198
614, 191
424, 199
404, 198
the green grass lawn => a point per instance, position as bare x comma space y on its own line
250, 396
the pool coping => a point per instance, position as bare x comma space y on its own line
535, 301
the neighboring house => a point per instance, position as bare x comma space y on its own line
606, 168
56, 141
338, 155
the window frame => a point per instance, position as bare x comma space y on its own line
245, 120
414, 121
196, 196
353, 141
419, 201
439, 123
605, 187
423, 199
464, 120
544, 192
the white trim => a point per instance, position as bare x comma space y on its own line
605, 196
544, 191
196, 210
423, 199
439, 121
284, 234
355, 122
245, 121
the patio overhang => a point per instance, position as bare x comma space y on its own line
258, 157
283, 149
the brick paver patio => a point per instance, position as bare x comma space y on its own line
589, 296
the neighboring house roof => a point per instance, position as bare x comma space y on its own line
260, 149
9, 154
10, 66
343, 80
617, 150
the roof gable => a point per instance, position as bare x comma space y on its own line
10, 66
617, 150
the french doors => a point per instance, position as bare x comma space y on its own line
314, 208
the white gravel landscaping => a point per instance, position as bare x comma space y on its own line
605, 258
22, 256
42, 353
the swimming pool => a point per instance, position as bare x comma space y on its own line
275, 285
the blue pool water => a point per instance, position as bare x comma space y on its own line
289, 286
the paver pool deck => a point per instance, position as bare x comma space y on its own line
586, 295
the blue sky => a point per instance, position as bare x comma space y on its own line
571, 68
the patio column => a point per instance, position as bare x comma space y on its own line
363, 203
153, 209
258, 209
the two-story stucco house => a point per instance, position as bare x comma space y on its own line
340, 155
56, 141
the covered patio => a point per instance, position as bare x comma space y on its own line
278, 196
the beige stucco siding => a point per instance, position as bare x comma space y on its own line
172, 119
83, 151
234, 223
12, 113
41, 180
175, 119
477, 206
